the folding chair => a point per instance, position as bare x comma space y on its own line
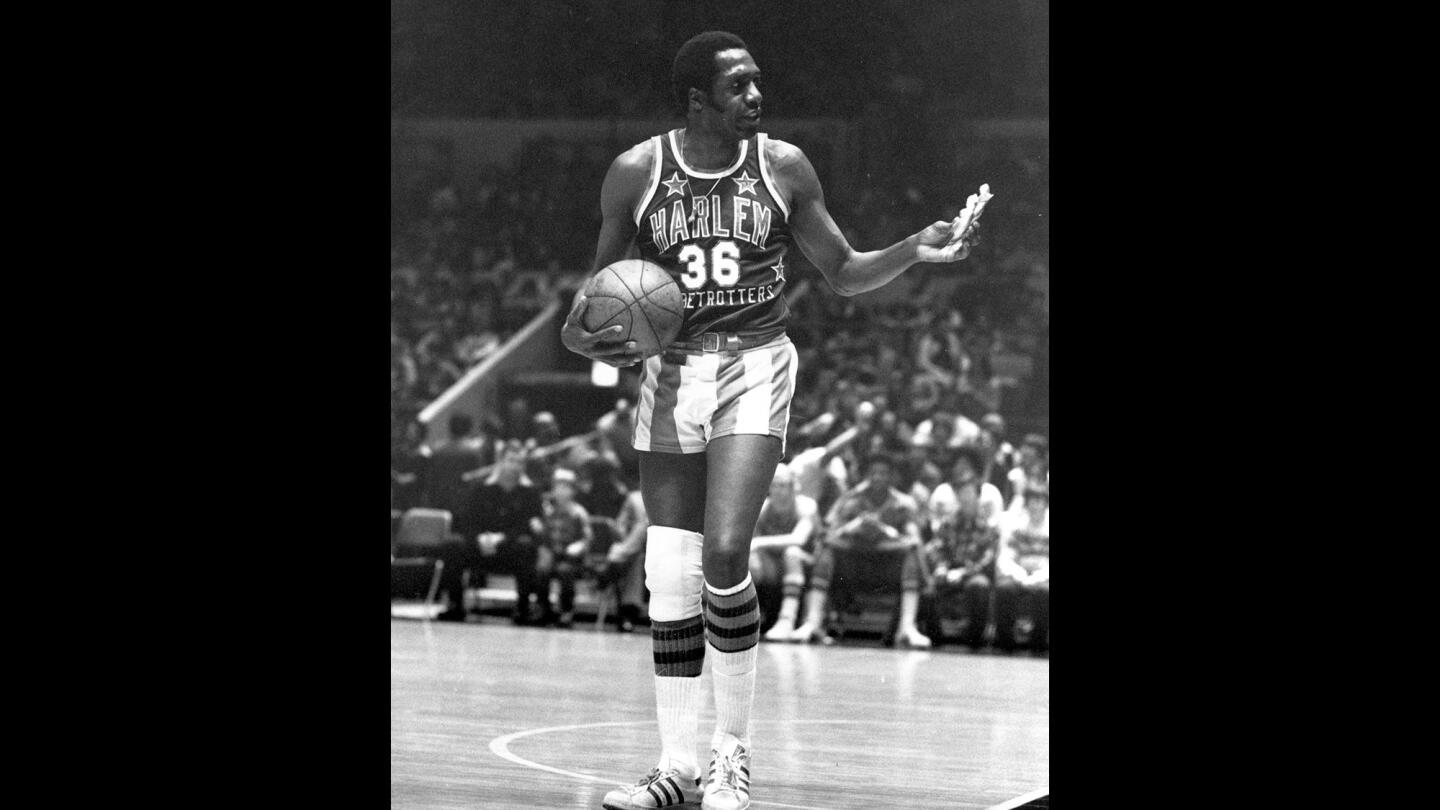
423, 532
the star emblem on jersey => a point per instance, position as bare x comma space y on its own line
675, 183
745, 183
780, 270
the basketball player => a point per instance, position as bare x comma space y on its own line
781, 549
719, 205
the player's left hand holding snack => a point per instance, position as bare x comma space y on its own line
951, 241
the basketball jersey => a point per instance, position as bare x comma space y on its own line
722, 235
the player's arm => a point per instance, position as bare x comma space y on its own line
847, 270
840, 521
907, 535
624, 184
798, 536
805, 527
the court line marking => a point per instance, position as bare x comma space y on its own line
500, 747
1019, 800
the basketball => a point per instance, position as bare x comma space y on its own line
640, 296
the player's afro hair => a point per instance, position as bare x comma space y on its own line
695, 63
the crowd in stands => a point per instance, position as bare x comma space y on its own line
474, 259
946, 517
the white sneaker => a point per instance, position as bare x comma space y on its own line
728, 786
912, 638
655, 789
808, 634
782, 630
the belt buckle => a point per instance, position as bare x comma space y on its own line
710, 342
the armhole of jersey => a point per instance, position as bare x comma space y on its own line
657, 158
760, 140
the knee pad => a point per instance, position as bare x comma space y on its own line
673, 573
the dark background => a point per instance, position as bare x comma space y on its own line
587, 58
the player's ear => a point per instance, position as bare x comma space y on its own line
697, 100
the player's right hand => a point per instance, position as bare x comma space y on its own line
601, 345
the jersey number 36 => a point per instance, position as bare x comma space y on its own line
722, 265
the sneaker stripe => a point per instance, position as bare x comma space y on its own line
659, 802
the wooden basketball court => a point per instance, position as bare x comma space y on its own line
490, 715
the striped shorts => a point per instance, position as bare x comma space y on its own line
688, 399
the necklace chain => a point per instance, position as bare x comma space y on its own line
685, 139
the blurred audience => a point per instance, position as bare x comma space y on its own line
625, 561
445, 485
968, 467
506, 513
602, 492
782, 549
615, 428
1032, 464
961, 555
1023, 570
409, 456
1000, 455
872, 546
567, 535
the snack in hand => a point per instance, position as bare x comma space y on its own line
974, 206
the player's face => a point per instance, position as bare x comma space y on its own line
734, 101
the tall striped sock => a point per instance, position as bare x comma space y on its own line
679, 649
732, 631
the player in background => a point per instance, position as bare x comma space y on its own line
718, 204
782, 547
